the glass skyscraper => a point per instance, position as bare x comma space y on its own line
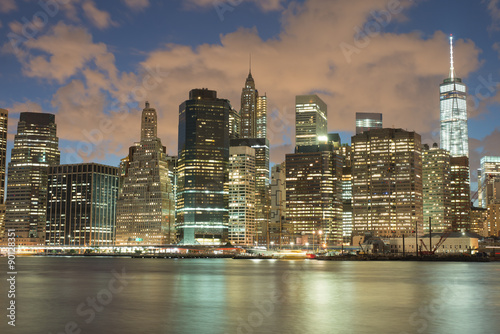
453, 105
311, 126
35, 149
202, 198
489, 181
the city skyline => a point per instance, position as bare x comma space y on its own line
104, 68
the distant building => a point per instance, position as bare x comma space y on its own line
279, 229
455, 243
479, 221
460, 193
241, 190
387, 182
81, 205
366, 121
311, 126
202, 173
347, 221
35, 149
436, 173
313, 194
489, 181
146, 202
494, 220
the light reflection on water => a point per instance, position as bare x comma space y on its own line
255, 296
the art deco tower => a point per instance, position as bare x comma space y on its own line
453, 96
145, 213
35, 149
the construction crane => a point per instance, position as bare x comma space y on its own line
434, 249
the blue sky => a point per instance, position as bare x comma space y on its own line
86, 59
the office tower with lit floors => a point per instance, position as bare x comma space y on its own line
387, 182
436, 175
81, 205
366, 121
145, 210
460, 194
202, 173
311, 126
489, 181
35, 149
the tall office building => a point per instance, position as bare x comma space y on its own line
489, 181
279, 229
261, 131
4, 116
253, 111
202, 200
35, 149
145, 210
387, 182
453, 105
81, 205
347, 204
436, 176
241, 189
313, 193
234, 124
460, 193
311, 127
366, 121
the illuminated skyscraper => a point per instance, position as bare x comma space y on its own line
81, 205
489, 181
387, 182
311, 126
366, 121
202, 200
35, 149
460, 193
277, 219
261, 116
453, 104
145, 212
241, 189
436, 174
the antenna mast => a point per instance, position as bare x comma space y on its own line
452, 69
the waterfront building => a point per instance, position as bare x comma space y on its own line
81, 205
387, 182
479, 221
494, 219
436, 175
202, 174
366, 121
489, 181
460, 193
35, 149
145, 213
310, 120
314, 194
455, 243
241, 190
453, 106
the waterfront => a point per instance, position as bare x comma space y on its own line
123, 295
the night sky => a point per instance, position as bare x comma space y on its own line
94, 63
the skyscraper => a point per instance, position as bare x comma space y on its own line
313, 193
311, 127
145, 210
366, 121
436, 176
202, 199
81, 205
278, 227
241, 189
453, 105
387, 182
489, 181
35, 149
460, 193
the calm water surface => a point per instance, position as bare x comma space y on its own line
222, 296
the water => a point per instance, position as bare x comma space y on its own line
251, 296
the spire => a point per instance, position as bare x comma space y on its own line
250, 66
452, 69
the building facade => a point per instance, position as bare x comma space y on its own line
35, 149
81, 205
436, 175
366, 121
279, 228
313, 194
489, 181
241, 190
311, 126
202, 200
387, 182
460, 193
145, 213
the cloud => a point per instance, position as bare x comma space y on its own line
7, 6
137, 4
265, 5
494, 10
101, 19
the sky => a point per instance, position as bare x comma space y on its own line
94, 63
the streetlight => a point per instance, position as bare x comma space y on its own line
291, 244
272, 244
307, 245
319, 238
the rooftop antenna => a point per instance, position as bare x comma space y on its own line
452, 69
250, 64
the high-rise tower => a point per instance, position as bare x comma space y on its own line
311, 127
145, 210
35, 149
453, 105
